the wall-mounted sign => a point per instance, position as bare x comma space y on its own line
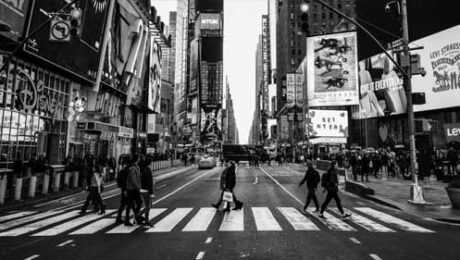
330, 123
125, 132
452, 132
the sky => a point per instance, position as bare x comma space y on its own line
242, 27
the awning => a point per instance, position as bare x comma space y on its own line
329, 140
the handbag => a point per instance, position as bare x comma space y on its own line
228, 196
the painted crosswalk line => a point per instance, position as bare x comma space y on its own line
333, 223
122, 229
16, 215
233, 221
170, 221
297, 219
94, 227
366, 223
40, 224
201, 220
265, 221
402, 224
22, 221
68, 225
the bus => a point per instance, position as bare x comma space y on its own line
236, 152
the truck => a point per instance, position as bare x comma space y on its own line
236, 152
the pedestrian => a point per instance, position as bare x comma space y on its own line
146, 189
452, 157
354, 165
312, 178
133, 188
184, 158
94, 184
365, 167
122, 177
228, 182
330, 183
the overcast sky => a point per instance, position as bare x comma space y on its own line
242, 27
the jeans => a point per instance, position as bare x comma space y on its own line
95, 196
134, 201
147, 205
123, 205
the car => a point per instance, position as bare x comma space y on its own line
206, 162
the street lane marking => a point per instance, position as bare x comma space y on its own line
354, 240
208, 240
233, 221
265, 221
16, 215
122, 229
170, 221
94, 227
366, 223
297, 219
200, 255
201, 220
21, 221
65, 243
375, 257
68, 225
40, 224
282, 187
31, 257
161, 186
256, 180
402, 224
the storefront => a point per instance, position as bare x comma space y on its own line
33, 102
98, 138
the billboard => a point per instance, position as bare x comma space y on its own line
328, 123
440, 57
211, 124
154, 83
13, 14
211, 84
194, 59
381, 89
79, 56
212, 49
209, 5
332, 70
290, 90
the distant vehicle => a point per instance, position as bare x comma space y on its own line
206, 162
236, 152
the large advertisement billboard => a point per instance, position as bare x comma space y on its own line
194, 61
381, 89
13, 14
79, 56
154, 84
209, 25
211, 125
332, 70
328, 123
440, 57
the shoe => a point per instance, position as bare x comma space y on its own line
346, 215
128, 224
239, 206
320, 215
316, 211
148, 224
215, 206
82, 212
118, 221
102, 210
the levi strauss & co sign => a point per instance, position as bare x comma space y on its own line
452, 132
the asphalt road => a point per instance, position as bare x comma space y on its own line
187, 227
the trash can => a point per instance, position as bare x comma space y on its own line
32, 186
18, 189
46, 181
75, 179
3, 182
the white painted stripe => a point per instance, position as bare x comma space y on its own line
208, 240
21, 221
297, 219
31, 257
200, 255
282, 187
170, 221
94, 227
402, 224
15, 215
66, 226
122, 229
201, 220
375, 257
334, 223
366, 223
65, 243
40, 224
265, 221
354, 240
233, 221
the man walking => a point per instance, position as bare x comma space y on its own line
312, 178
133, 188
229, 182
330, 183
146, 189
122, 177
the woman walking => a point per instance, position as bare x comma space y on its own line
94, 187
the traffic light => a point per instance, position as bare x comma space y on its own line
305, 27
75, 22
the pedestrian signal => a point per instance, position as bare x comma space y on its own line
75, 22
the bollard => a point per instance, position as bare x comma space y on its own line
18, 189
56, 181
75, 179
46, 182
32, 186
3, 182
67, 179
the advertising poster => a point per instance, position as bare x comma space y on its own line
211, 123
194, 59
328, 123
13, 14
440, 57
284, 127
332, 70
290, 90
381, 89
298, 90
79, 56
154, 86
194, 110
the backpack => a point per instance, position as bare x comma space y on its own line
121, 178
317, 178
325, 180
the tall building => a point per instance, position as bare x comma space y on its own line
230, 129
169, 54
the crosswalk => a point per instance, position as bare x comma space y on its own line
206, 219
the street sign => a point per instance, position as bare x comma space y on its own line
60, 30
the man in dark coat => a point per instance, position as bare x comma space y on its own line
228, 182
146, 189
331, 185
312, 178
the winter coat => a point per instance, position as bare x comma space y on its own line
133, 182
147, 179
312, 178
332, 180
230, 178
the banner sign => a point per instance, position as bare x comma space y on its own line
194, 60
328, 123
452, 132
332, 70
290, 90
154, 83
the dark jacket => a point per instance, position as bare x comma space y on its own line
312, 178
147, 179
332, 183
223, 178
230, 178
133, 182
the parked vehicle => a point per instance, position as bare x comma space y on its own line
206, 162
